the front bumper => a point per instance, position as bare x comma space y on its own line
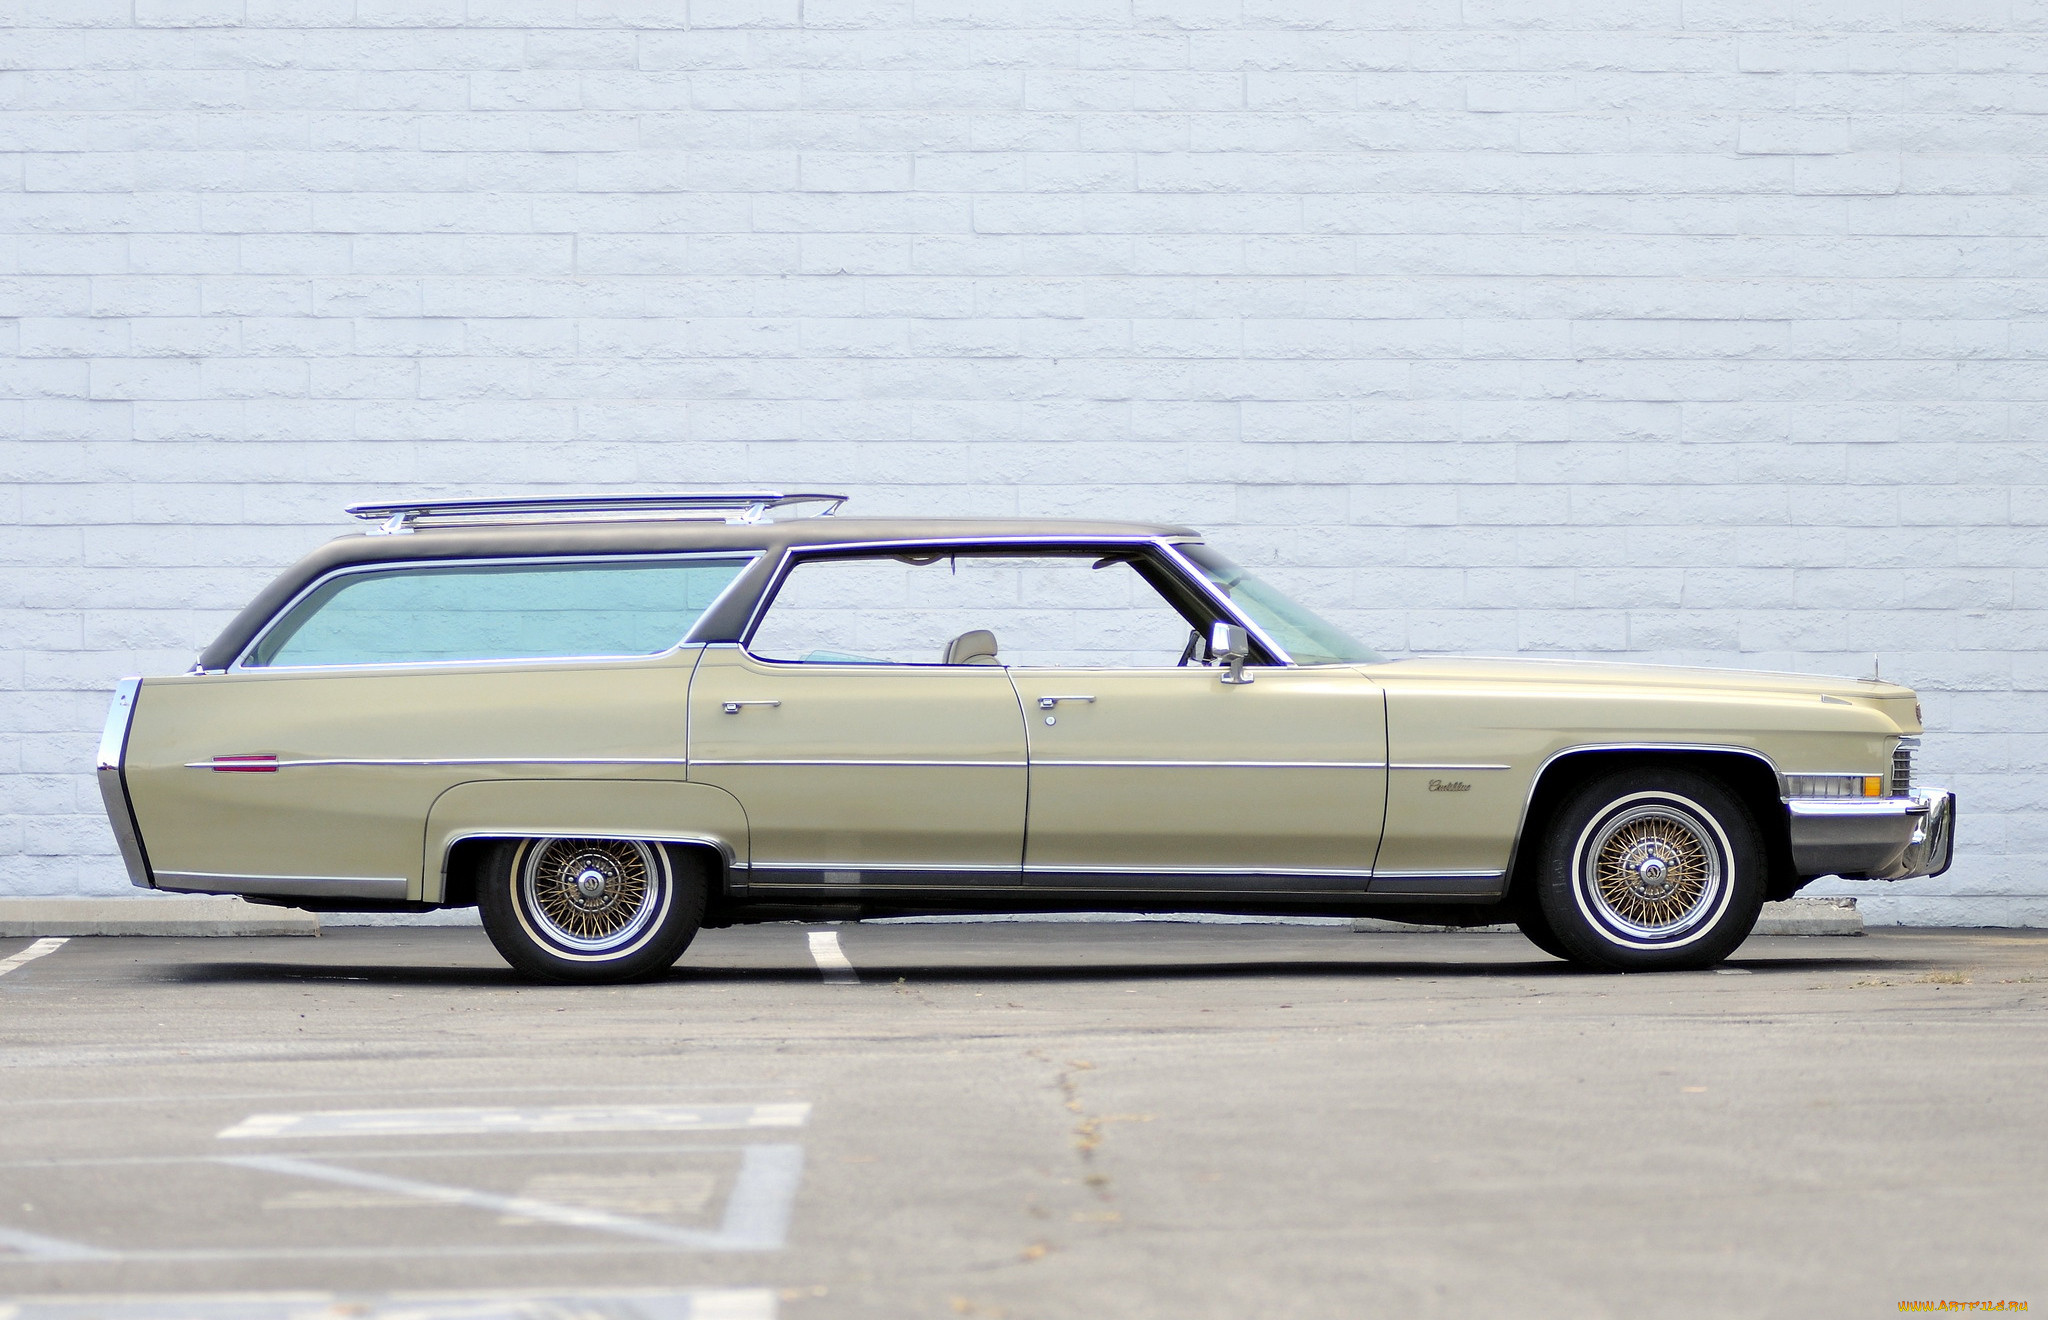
1894, 838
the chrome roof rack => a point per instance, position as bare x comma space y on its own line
733, 506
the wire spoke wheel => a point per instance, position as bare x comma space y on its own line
1653, 871
594, 911
1648, 868
590, 895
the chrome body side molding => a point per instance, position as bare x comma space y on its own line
1447, 765
379, 888
861, 760
1162, 764
1048, 763
113, 777
242, 764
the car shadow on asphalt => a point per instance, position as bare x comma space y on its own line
396, 974
270, 973
877, 973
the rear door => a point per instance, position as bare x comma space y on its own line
864, 757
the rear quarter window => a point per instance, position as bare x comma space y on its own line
447, 613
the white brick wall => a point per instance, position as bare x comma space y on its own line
1689, 330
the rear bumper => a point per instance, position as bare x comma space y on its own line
1895, 838
114, 782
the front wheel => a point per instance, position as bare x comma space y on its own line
590, 910
1651, 870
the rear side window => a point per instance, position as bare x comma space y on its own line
442, 613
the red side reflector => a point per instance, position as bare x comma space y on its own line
248, 763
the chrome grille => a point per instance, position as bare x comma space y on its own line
1902, 767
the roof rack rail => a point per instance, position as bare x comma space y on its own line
733, 506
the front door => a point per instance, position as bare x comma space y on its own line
1171, 780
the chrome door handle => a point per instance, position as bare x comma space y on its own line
1047, 703
733, 707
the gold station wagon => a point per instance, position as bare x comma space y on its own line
608, 721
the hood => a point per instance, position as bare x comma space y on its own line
1897, 702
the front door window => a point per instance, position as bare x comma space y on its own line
1084, 609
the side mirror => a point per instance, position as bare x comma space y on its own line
1230, 644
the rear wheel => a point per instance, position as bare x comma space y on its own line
591, 910
1650, 870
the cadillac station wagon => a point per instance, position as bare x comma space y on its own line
609, 721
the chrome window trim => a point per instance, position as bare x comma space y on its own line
1192, 571
241, 663
794, 554
112, 773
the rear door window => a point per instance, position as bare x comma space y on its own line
449, 613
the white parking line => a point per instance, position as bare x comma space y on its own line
31, 953
523, 1207
622, 1303
548, 1119
47, 1248
831, 959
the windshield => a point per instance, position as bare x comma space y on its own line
1308, 640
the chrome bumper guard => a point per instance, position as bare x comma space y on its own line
1897, 838
114, 782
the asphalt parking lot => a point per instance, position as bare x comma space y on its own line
1022, 1121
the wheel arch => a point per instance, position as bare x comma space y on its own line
467, 817
466, 855
1745, 772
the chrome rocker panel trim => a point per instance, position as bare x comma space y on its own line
381, 888
1195, 883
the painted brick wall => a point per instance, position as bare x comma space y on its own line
1682, 330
